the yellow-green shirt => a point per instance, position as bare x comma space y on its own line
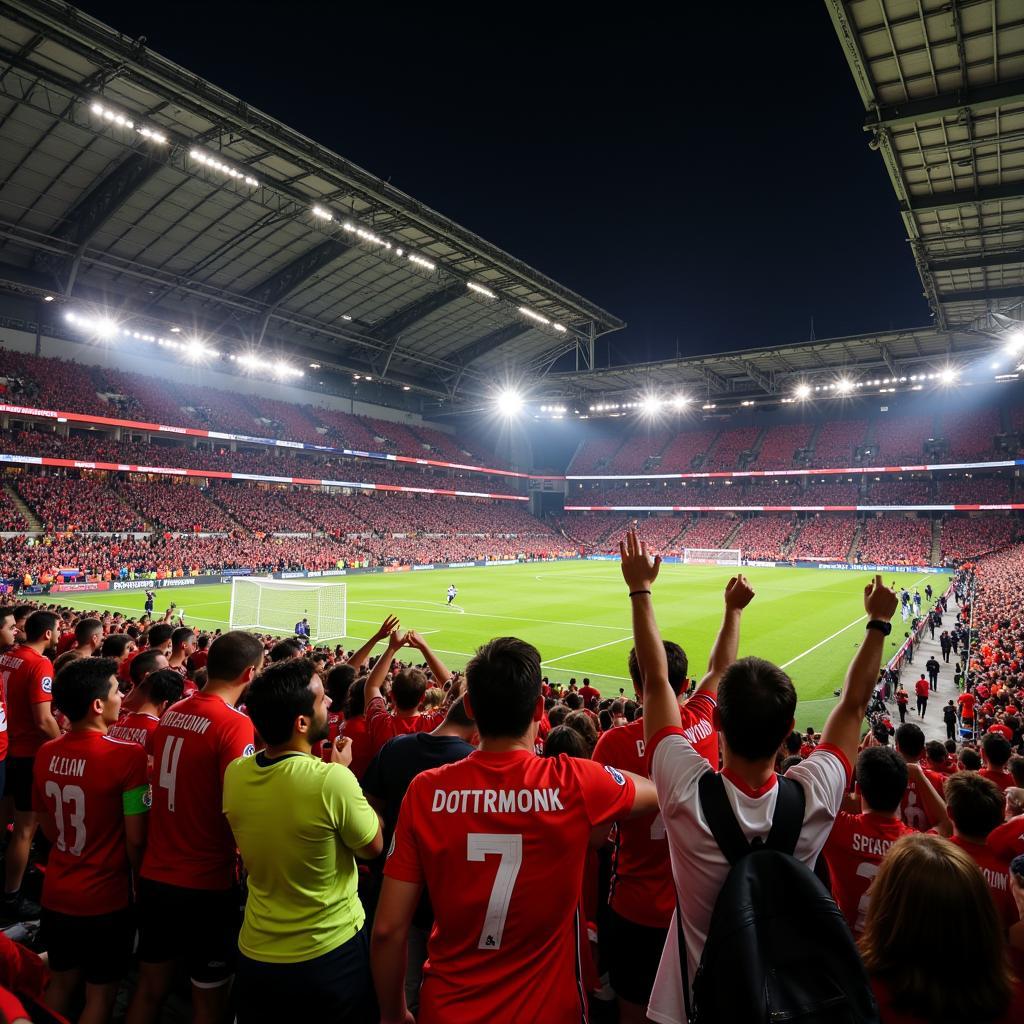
297, 820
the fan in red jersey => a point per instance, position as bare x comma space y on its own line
28, 685
188, 902
917, 810
858, 842
92, 797
642, 896
479, 835
154, 695
1007, 840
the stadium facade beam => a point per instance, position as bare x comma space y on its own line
90, 214
934, 108
962, 197
983, 294
395, 324
272, 291
977, 261
764, 381
488, 343
883, 351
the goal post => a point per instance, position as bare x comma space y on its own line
275, 606
712, 556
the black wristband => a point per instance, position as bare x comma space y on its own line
634, 593
883, 627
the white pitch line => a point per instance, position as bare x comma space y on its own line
586, 650
820, 643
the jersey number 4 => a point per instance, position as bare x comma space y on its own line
75, 798
510, 849
169, 767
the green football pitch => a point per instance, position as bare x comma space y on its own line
577, 615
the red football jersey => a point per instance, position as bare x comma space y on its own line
136, 727
912, 811
966, 702
1007, 841
1003, 779
500, 840
86, 783
642, 889
382, 726
190, 844
854, 850
28, 680
997, 876
362, 748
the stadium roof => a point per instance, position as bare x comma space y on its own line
943, 90
128, 181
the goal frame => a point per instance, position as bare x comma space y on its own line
713, 556
325, 622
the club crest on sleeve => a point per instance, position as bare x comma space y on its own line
47, 684
615, 774
249, 750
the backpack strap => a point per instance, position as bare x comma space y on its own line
789, 816
718, 814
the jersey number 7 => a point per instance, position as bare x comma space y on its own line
510, 849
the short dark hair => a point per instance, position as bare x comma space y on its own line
165, 684
564, 739
337, 682
910, 740
1016, 766
203, 641
678, 668
4, 612
557, 715
277, 696
232, 653
23, 611
285, 649
143, 662
882, 778
408, 687
80, 682
503, 683
115, 645
935, 751
86, 628
794, 741
355, 698
790, 762
37, 624
975, 804
970, 759
756, 704
158, 635
996, 749
573, 701
457, 714
181, 635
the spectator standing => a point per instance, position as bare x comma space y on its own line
921, 689
946, 644
28, 684
755, 711
187, 897
92, 796
902, 700
949, 717
642, 897
505, 945
995, 753
300, 824
932, 668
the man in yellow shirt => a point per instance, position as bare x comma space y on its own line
300, 823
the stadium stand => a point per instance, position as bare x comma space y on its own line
175, 507
966, 537
686, 447
708, 532
901, 439
836, 443
825, 538
65, 504
895, 540
764, 537
730, 445
899, 492
781, 443
970, 435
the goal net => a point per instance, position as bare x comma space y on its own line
275, 606
712, 556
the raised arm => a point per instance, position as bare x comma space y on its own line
843, 727
387, 627
640, 570
376, 678
437, 666
738, 594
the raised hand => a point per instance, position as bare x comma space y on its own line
639, 569
413, 639
341, 751
879, 601
738, 592
388, 626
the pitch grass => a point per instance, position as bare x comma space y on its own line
577, 614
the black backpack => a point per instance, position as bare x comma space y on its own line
778, 948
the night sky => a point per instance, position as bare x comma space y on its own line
706, 180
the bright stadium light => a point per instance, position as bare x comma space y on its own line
803, 391
480, 290
679, 401
322, 214
650, 405
421, 262
1015, 345
526, 311
844, 386
509, 402
948, 375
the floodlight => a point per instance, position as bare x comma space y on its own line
195, 350
803, 391
509, 402
948, 375
844, 386
105, 329
1015, 343
679, 401
650, 405
480, 289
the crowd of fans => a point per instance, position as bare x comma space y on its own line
901, 439
966, 537
179, 507
974, 490
781, 443
765, 537
837, 442
729, 446
67, 503
309, 761
826, 538
971, 435
895, 540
